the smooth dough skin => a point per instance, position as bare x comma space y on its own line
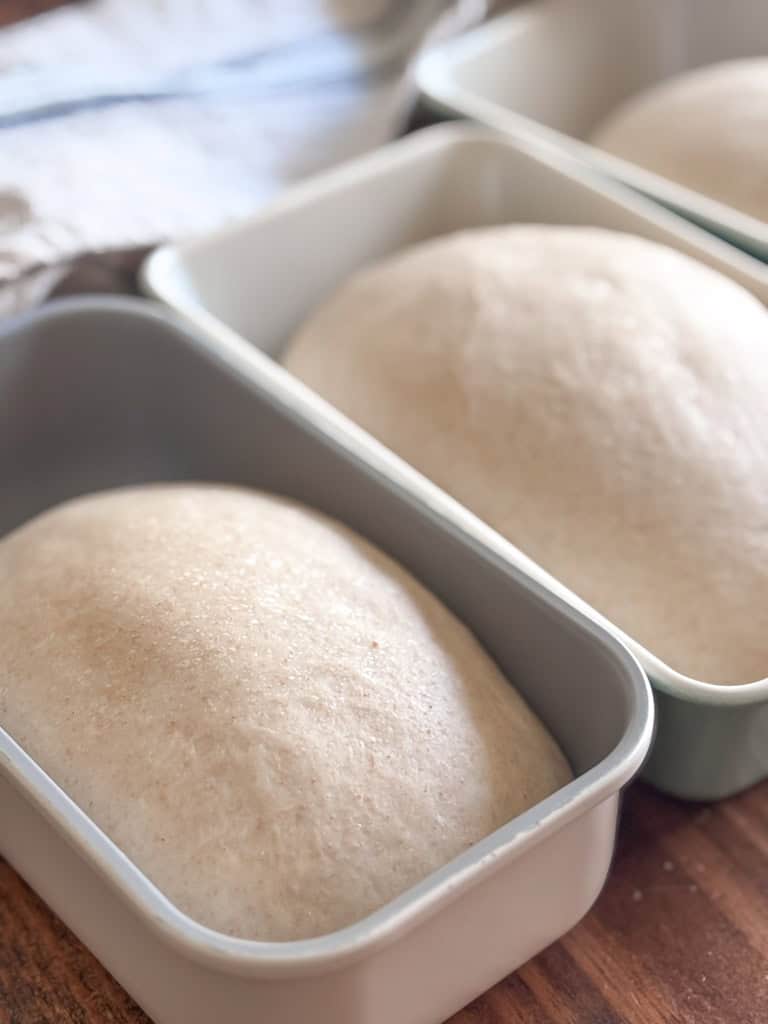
598, 399
706, 129
271, 718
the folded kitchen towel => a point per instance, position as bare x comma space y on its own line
126, 123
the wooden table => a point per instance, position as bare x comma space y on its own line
16, 10
679, 935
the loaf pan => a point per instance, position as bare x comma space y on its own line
99, 393
253, 284
550, 71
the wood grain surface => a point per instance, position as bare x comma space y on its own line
678, 936
17, 10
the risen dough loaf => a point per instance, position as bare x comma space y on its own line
707, 129
599, 399
276, 722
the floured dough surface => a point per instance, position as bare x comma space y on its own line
597, 398
706, 129
270, 717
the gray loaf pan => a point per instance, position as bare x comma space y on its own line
240, 286
548, 72
100, 393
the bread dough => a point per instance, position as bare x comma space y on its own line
706, 129
271, 718
599, 399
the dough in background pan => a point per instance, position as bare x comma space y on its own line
706, 129
597, 398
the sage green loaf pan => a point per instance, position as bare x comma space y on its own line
250, 286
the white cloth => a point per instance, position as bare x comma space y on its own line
126, 122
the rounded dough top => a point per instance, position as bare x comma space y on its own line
597, 398
270, 717
706, 129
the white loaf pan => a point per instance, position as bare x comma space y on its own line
550, 71
98, 393
253, 284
